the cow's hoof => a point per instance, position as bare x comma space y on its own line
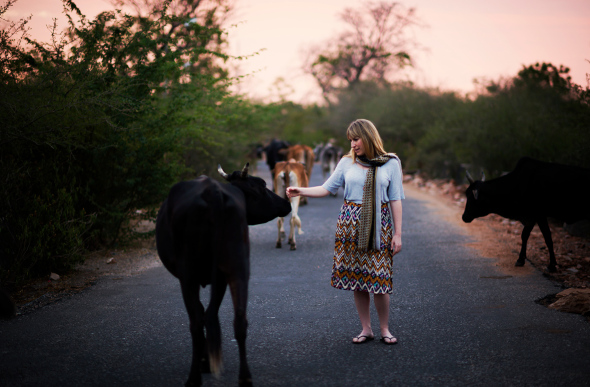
551, 269
279, 245
193, 383
205, 367
293, 247
245, 382
519, 263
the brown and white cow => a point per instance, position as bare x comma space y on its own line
290, 174
304, 155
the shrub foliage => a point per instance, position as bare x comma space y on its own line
99, 123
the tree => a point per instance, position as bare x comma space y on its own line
193, 28
376, 45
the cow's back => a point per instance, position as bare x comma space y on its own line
194, 223
553, 190
288, 167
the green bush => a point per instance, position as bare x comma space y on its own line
528, 116
42, 227
94, 127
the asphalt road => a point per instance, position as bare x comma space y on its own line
459, 321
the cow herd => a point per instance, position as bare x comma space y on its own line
202, 229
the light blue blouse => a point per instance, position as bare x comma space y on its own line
352, 176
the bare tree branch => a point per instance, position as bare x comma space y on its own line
374, 48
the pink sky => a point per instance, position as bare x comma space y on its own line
466, 39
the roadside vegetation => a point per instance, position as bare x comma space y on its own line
97, 124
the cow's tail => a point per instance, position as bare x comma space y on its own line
213, 339
215, 358
217, 205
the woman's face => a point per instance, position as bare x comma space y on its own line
357, 146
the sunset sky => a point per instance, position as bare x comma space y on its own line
464, 39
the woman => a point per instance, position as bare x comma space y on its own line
367, 237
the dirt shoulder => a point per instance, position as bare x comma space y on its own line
494, 238
115, 263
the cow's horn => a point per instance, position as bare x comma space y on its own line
469, 177
220, 170
245, 170
483, 176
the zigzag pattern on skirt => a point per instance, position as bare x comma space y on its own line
368, 271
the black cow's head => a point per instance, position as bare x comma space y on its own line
262, 205
477, 204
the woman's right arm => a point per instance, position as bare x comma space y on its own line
334, 182
311, 192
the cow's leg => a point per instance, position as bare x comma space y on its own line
218, 288
544, 226
293, 225
196, 315
526, 232
295, 222
282, 227
239, 293
280, 223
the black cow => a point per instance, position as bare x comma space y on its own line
531, 193
202, 239
274, 154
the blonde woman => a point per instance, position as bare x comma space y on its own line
369, 227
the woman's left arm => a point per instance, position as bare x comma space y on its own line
395, 207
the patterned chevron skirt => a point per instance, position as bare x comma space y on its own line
368, 271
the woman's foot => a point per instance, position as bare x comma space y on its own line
363, 338
389, 340
387, 337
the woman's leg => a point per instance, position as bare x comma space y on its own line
382, 306
362, 300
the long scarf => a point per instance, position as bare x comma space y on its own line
370, 226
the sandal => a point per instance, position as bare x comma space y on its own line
388, 340
366, 339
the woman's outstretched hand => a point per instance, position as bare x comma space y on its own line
293, 191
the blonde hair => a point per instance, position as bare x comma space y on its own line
367, 132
